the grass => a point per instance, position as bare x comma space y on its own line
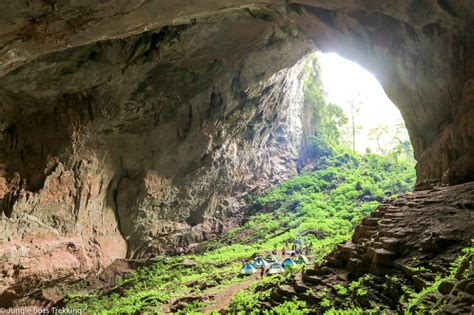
329, 201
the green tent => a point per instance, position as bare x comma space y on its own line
271, 258
275, 268
301, 259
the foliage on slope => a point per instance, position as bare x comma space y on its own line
328, 200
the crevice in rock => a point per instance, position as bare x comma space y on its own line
113, 193
447, 6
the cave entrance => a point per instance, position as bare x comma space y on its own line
357, 156
370, 122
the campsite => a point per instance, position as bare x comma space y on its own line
270, 264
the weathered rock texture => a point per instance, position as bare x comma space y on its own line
405, 242
422, 54
144, 145
135, 127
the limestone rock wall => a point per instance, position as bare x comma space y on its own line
145, 145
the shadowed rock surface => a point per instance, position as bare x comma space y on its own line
134, 128
405, 242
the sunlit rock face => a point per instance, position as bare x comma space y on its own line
134, 128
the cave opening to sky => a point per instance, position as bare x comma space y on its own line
378, 121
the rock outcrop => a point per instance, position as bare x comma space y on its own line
402, 246
134, 128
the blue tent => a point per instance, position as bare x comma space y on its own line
260, 262
247, 269
288, 262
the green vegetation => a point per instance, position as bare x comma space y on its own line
326, 118
411, 302
248, 300
320, 206
294, 307
147, 288
340, 289
460, 269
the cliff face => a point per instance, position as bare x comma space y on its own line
132, 128
144, 145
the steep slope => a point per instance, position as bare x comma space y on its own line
320, 206
407, 256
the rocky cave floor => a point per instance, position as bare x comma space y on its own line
409, 247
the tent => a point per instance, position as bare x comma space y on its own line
271, 258
260, 262
301, 259
275, 268
288, 262
247, 269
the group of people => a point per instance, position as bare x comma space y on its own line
297, 248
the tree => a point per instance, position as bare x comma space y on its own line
377, 133
326, 118
401, 145
355, 105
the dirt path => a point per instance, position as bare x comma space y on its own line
225, 294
